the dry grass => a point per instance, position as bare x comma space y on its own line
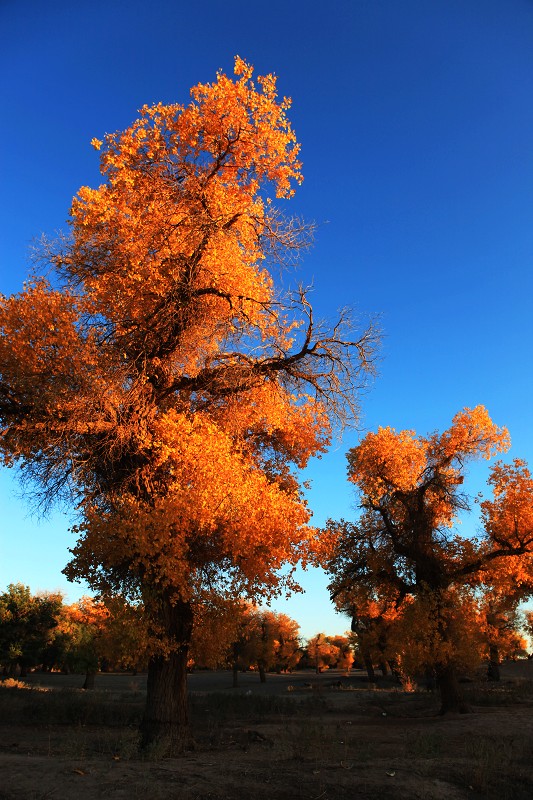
66, 744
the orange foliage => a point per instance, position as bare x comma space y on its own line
265, 639
325, 652
160, 377
404, 554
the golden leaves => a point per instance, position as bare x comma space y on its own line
388, 463
508, 517
159, 380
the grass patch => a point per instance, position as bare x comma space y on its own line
496, 766
33, 705
516, 692
224, 706
368, 744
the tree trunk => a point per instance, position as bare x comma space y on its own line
395, 669
262, 673
235, 676
493, 670
89, 679
369, 668
384, 668
451, 696
165, 724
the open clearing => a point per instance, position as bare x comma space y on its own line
318, 737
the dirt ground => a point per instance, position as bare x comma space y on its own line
297, 736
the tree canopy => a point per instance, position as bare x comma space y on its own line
157, 375
405, 546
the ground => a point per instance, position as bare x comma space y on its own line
322, 737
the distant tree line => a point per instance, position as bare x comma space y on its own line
40, 631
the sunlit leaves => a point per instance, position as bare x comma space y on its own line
445, 592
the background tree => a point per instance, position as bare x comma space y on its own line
272, 642
123, 638
322, 653
287, 643
410, 495
160, 379
83, 626
501, 588
265, 640
218, 624
27, 626
344, 646
372, 607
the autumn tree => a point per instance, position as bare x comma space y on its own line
322, 653
264, 640
82, 626
508, 518
287, 650
270, 641
159, 378
218, 624
124, 640
27, 626
344, 646
373, 621
405, 543
501, 588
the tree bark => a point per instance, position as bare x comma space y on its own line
451, 696
369, 668
165, 724
395, 669
235, 672
493, 670
262, 672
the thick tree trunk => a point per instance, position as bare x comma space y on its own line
384, 668
165, 724
451, 696
89, 679
262, 672
235, 672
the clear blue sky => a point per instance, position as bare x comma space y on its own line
416, 124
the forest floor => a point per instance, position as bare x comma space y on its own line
318, 737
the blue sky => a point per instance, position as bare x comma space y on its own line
416, 125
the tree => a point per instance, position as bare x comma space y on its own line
161, 380
287, 651
322, 653
344, 646
27, 624
405, 545
263, 639
218, 623
373, 621
501, 588
268, 640
82, 629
